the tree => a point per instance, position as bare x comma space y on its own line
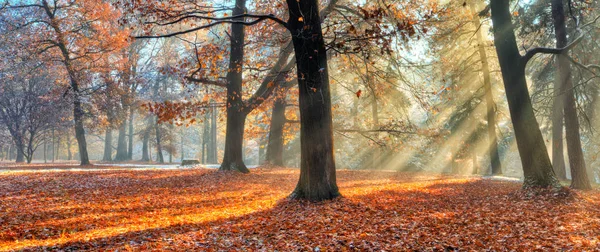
537, 168
576, 160
76, 33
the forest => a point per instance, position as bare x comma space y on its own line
299, 125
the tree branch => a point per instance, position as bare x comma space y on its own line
529, 54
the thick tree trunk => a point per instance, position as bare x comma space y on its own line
122, 143
234, 136
576, 160
159, 153
317, 168
489, 97
130, 135
107, 146
275, 145
20, 149
233, 158
79, 130
537, 168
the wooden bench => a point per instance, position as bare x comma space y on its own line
190, 162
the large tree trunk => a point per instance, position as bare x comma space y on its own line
489, 98
317, 168
159, 153
234, 136
275, 145
122, 143
130, 135
107, 146
20, 149
576, 160
537, 168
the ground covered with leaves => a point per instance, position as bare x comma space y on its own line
201, 209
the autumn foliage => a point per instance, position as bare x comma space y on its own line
200, 209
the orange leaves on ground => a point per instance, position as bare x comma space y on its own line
198, 209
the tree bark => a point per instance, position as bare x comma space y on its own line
275, 144
537, 168
122, 143
20, 150
130, 135
489, 97
317, 169
69, 153
145, 140
234, 137
159, 153
576, 160
107, 146
77, 107
212, 147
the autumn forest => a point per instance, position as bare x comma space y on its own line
299, 125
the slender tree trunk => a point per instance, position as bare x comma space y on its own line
576, 160
57, 155
537, 168
122, 143
10, 151
205, 135
317, 165
69, 153
159, 153
234, 137
45, 150
146, 140
212, 149
558, 157
489, 97
53, 151
275, 145
130, 135
107, 146
182, 152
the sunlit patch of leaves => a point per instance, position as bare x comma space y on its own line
202, 209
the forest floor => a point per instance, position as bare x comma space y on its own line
202, 209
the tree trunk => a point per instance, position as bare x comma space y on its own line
145, 140
130, 135
45, 149
57, 155
537, 168
205, 135
275, 145
53, 150
107, 146
69, 153
80, 131
234, 137
489, 98
317, 165
212, 148
122, 143
576, 160
20, 149
558, 157
159, 154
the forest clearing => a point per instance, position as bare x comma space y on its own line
201, 209
299, 125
